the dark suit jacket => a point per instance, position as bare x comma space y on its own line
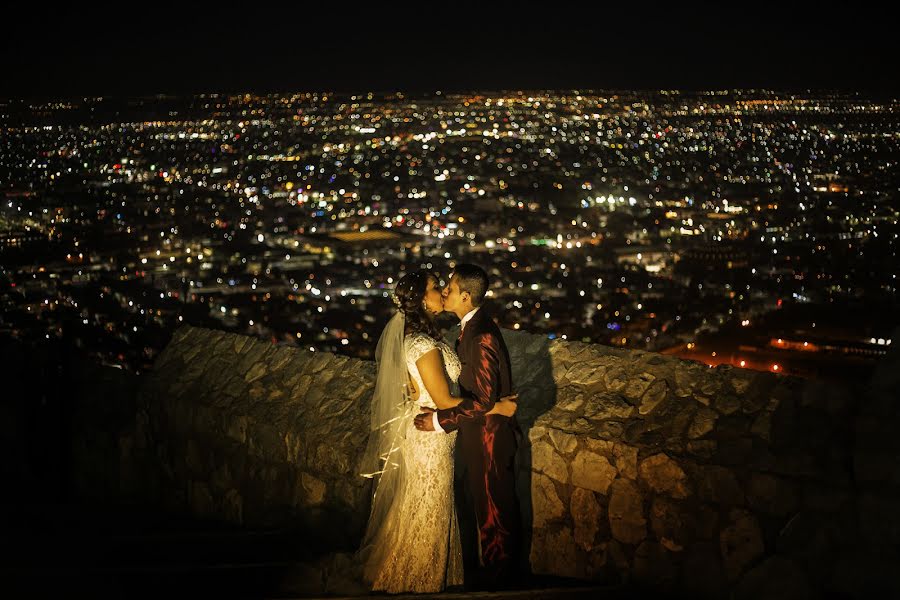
485, 377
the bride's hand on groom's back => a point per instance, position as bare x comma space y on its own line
507, 405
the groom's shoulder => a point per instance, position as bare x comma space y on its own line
487, 323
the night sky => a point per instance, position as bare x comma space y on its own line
455, 46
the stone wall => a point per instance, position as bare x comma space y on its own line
247, 432
634, 467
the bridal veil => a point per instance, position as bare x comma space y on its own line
392, 409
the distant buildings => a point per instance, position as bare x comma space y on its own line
646, 220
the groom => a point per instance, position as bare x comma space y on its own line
487, 442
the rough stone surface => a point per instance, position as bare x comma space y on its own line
670, 524
587, 514
626, 512
771, 494
719, 485
592, 471
637, 386
563, 442
702, 575
703, 423
664, 475
775, 578
553, 552
545, 500
654, 395
652, 566
741, 543
547, 461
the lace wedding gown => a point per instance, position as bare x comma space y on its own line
424, 552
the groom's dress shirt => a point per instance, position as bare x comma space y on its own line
462, 326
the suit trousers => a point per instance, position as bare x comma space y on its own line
488, 447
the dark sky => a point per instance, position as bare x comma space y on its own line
446, 46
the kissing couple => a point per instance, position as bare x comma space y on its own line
425, 393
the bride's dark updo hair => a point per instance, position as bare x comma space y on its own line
409, 296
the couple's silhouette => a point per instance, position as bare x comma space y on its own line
412, 541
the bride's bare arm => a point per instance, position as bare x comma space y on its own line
431, 369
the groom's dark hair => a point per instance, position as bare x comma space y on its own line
472, 279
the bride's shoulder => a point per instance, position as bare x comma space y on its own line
418, 340
416, 336
418, 344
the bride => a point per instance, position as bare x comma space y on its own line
412, 539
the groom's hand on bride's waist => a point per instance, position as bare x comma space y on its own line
423, 420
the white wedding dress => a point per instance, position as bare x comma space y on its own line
423, 552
